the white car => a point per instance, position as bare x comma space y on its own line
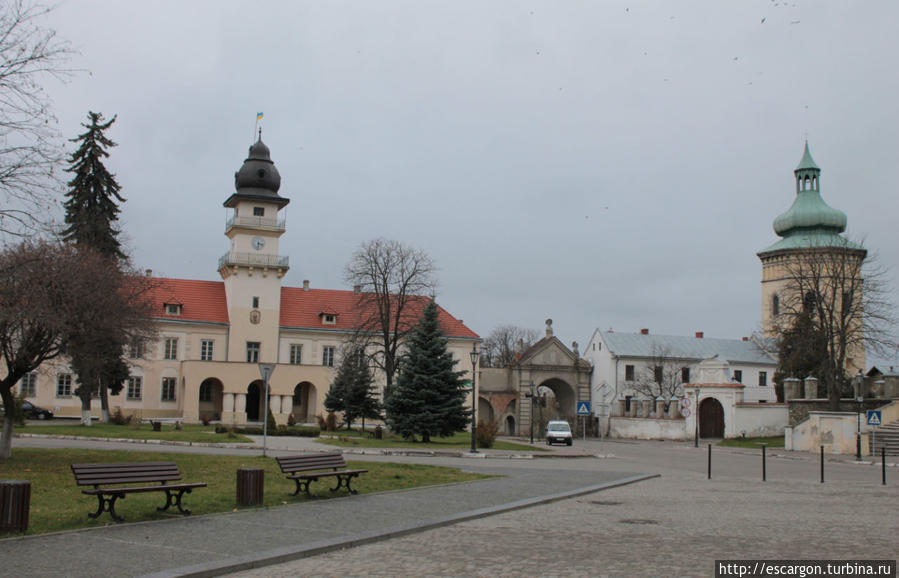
558, 431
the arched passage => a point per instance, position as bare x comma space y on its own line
510, 425
562, 399
210, 399
485, 410
711, 418
304, 400
254, 401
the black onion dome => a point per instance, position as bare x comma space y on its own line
258, 175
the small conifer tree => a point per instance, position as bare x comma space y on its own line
428, 398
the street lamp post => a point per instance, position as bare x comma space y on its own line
266, 369
858, 415
532, 411
696, 419
475, 354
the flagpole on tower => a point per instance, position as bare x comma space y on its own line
259, 116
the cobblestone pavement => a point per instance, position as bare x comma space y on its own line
676, 525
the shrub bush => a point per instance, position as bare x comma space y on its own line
118, 418
486, 433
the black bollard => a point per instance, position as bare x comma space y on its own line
710, 463
822, 464
764, 469
883, 465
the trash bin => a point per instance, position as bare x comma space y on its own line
250, 486
15, 503
379, 433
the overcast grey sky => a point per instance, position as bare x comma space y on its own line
605, 164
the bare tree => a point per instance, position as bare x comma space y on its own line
391, 278
30, 144
662, 376
841, 295
504, 343
52, 295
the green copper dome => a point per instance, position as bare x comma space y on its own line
810, 222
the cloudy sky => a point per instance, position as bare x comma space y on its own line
606, 164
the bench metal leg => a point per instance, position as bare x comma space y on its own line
303, 485
173, 499
344, 481
107, 505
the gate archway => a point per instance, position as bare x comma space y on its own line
711, 418
254, 397
210, 399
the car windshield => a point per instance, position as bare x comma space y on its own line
558, 427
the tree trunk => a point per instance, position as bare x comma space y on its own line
425, 437
104, 403
6, 436
85, 409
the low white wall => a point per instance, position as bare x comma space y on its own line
761, 419
836, 431
647, 428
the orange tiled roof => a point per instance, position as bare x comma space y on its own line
202, 301
205, 301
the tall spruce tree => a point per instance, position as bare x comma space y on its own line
92, 200
352, 391
428, 398
91, 213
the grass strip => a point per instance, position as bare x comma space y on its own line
57, 503
771, 442
143, 431
459, 441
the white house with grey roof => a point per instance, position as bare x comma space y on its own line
620, 359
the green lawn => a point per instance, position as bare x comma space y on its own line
144, 431
771, 442
58, 504
461, 440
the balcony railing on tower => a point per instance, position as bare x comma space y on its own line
259, 223
254, 260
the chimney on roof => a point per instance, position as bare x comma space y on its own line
148, 272
305, 284
699, 334
357, 289
644, 331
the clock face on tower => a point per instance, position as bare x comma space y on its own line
258, 243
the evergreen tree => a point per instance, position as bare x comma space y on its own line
801, 351
93, 196
91, 213
429, 395
352, 391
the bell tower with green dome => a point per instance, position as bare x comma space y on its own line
811, 234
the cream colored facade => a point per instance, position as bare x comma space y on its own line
213, 335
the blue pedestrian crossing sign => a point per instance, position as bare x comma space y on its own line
874, 417
583, 408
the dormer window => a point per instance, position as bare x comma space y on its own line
258, 211
172, 308
328, 317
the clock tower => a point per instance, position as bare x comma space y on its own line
252, 269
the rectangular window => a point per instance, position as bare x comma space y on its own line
253, 351
168, 388
296, 354
628, 373
171, 348
206, 349
328, 356
64, 385
738, 376
258, 211
330, 319
255, 302
173, 309
27, 385
136, 349
685, 375
135, 387
657, 373
763, 378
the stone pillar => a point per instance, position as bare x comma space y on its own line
287, 404
647, 403
240, 403
674, 407
622, 407
274, 403
228, 402
660, 406
792, 389
811, 387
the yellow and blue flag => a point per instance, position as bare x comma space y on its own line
258, 116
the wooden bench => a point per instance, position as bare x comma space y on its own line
306, 468
143, 474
